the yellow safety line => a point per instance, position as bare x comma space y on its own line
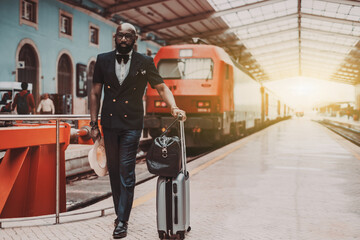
211, 162
141, 200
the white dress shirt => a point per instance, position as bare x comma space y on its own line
122, 69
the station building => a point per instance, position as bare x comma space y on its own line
53, 45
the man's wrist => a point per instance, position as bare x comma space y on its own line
94, 125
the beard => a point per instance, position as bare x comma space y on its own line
124, 50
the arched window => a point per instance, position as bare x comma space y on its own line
90, 77
65, 75
29, 73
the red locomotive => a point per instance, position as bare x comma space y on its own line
220, 98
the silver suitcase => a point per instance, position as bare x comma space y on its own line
173, 200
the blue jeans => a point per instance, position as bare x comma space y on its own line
121, 148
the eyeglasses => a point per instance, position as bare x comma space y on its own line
128, 36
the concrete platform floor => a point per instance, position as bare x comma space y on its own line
294, 180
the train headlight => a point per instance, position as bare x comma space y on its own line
203, 104
160, 104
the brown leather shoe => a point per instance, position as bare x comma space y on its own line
120, 230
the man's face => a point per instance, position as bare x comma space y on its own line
124, 40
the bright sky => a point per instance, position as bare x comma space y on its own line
303, 93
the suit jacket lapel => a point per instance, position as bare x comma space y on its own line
114, 78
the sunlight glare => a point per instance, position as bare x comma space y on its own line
305, 93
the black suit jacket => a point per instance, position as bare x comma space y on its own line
122, 105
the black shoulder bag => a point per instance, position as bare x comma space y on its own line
164, 155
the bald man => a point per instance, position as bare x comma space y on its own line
124, 74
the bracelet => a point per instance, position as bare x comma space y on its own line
94, 127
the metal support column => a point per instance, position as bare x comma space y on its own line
57, 211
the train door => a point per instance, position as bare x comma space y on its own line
228, 98
229, 79
262, 91
266, 106
278, 108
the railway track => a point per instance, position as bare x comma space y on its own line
87, 188
350, 134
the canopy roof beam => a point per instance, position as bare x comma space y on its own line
330, 19
234, 29
207, 15
122, 7
347, 2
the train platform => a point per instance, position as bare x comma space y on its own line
293, 180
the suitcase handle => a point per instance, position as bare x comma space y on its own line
167, 129
182, 142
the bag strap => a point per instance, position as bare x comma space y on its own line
167, 129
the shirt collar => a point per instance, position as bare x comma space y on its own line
130, 53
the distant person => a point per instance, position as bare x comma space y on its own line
46, 105
24, 101
6, 97
349, 111
6, 108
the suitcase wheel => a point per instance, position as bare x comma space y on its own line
181, 236
188, 229
163, 235
178, 236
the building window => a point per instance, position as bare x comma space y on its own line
64, 75
94, 35
29, 12
65, 22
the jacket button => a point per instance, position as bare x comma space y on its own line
114, 100
126, 102
108, 86
110, 114
125, 115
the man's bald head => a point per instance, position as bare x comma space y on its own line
126, 27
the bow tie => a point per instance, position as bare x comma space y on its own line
120, 57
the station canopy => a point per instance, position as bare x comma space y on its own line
273, 39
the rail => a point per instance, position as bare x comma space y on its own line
57, 118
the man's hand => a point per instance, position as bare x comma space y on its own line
175, 111
95, 133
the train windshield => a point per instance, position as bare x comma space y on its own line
186, 68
